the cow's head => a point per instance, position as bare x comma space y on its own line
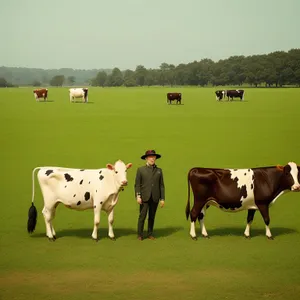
120, 169
290, 176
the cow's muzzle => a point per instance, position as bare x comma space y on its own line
124, 183
295, 188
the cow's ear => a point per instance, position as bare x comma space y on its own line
110, 166
128, 166
280, 168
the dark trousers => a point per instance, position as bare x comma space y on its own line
145, 207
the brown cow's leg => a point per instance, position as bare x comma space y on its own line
195, 213
201, 220
251, 213
264, 210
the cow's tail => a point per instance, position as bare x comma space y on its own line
188, 205
32, 213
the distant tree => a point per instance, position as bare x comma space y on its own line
3, 82
116, 77
140, 75
100, 79
71, 80
36, 83
57, 80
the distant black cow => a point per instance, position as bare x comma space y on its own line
174, 96
235, 94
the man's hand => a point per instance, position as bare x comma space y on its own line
162, 203
139, 199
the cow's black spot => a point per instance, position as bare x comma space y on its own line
87, 196
81, 181
101, 177
74, 195
101, 202
100, 172
244, 191
89, 182
245, 174
94, 206
251, 186
48, 172
65, 186
201, 216
248, 170
235, 169
82, 170
79, 202
96, 191
68, 177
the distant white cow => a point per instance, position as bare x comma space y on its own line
79, 93
96, 189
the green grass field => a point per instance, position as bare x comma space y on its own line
121, 123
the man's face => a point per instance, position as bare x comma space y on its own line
151, 159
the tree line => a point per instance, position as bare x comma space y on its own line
276, 69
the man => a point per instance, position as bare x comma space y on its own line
149, 191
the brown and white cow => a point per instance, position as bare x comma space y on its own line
174, 96
234, 190
40, 93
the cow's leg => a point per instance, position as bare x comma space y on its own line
195, 212
264, 210
201, 220
97, 210
49, 213
110, 225
251, 213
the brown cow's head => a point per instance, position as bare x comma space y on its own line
290, 176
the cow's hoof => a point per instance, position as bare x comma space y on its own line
96, 240
194, 238
52, 239
270, 238
113, 238
206, 236
248, 237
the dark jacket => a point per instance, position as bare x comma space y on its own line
149, 181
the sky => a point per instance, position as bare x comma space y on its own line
95, 34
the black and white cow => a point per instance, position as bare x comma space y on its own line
96, 189
79, 93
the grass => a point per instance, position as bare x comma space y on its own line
120, 123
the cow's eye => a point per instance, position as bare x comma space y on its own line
116, 172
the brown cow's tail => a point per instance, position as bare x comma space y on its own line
188, 205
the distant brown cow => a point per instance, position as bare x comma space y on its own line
174, 96
40, 93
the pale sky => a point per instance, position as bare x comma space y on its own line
94, 34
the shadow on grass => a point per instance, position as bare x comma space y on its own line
47, 101
80, 102
233, 231
103, 232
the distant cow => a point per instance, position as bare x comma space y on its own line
230, 94
220, 95
235, 94
234, 190
79, 93
174, 96
96, 189
40, 94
